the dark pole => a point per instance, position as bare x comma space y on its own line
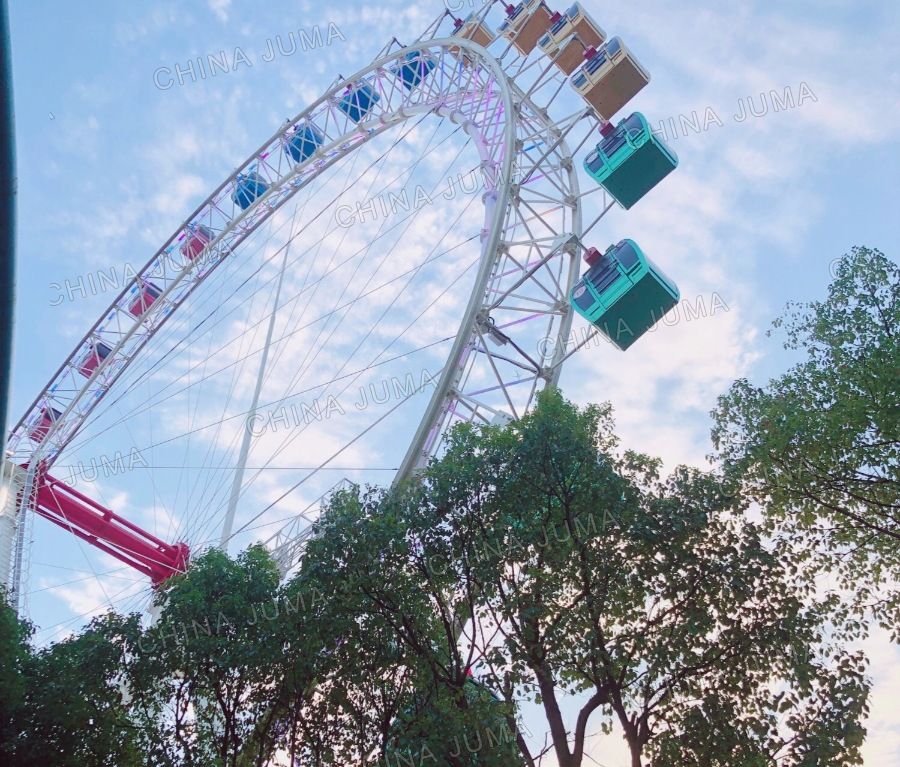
7, 218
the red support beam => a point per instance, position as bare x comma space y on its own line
103, 528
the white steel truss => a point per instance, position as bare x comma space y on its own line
513, 334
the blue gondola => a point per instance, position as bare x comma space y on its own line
248, 188
623, 293
358, 101
416, 67
303, 142
630, 161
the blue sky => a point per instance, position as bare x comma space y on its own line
110, 163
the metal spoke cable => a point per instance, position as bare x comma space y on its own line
62, 625
159, 361
168, 440
306, 365
236, 371
78, 444
298, 431
198, 520
326, 461
288, 335
282, 348
106, 574
287, 442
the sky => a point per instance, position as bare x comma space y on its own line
121, 134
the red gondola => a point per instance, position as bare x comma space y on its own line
98, 352
197, 238
146, 297
41, 429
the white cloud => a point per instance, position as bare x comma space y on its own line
220, 8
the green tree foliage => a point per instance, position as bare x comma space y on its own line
15, 656
819, 446
455, 728
74, 712
205, 680
576, 571
541, 557
409, 699
309, 632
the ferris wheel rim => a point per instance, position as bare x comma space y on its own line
499, 79
404, 114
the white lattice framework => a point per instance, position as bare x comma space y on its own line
512, 336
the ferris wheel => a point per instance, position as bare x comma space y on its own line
413, 238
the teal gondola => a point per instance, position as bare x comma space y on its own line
623, 293
358, 101
416, 67
630, 161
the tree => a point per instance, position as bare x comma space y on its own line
577, 571
204, 681
819, 446
15, 656
539, 557
74, 712
320, 723
402, 684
